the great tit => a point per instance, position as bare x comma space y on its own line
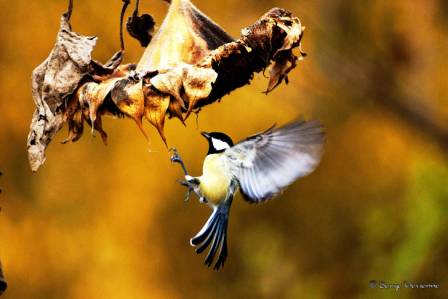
261, 167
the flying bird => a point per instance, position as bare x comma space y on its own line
260, 167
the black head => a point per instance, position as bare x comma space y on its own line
217, 142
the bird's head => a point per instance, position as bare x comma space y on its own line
217, 142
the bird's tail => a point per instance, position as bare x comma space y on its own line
214, 232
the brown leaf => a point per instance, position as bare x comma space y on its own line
52, 81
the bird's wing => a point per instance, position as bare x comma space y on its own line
266, 163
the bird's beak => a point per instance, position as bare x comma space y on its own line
205, 134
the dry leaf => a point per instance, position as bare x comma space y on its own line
55, 79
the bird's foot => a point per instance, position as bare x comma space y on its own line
189, 190
175, 158
193, 186
190, 182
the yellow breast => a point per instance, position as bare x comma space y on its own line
215, 178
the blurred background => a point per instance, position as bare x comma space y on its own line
110, 222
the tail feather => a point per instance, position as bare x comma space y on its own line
214, 232
210, 237
217, 240
223, 255
206, 230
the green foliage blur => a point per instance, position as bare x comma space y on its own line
110, 222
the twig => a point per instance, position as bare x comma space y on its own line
123, 11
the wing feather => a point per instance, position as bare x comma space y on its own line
267, 163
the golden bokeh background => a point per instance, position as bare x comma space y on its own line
110, 222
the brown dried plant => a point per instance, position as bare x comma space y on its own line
189, 63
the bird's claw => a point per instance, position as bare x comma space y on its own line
175, 156
189, 190
187, 195
192, 187
191, 183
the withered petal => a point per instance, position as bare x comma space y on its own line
197, 83
175, 109
279, 70
170, 81
130, 100
186, 35
156, 106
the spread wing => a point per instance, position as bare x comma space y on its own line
266, 163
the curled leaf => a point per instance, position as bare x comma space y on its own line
52, 81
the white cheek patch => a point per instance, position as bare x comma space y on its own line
219, 145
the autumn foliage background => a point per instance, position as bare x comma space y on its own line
110, 222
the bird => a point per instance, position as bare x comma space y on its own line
260, 167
